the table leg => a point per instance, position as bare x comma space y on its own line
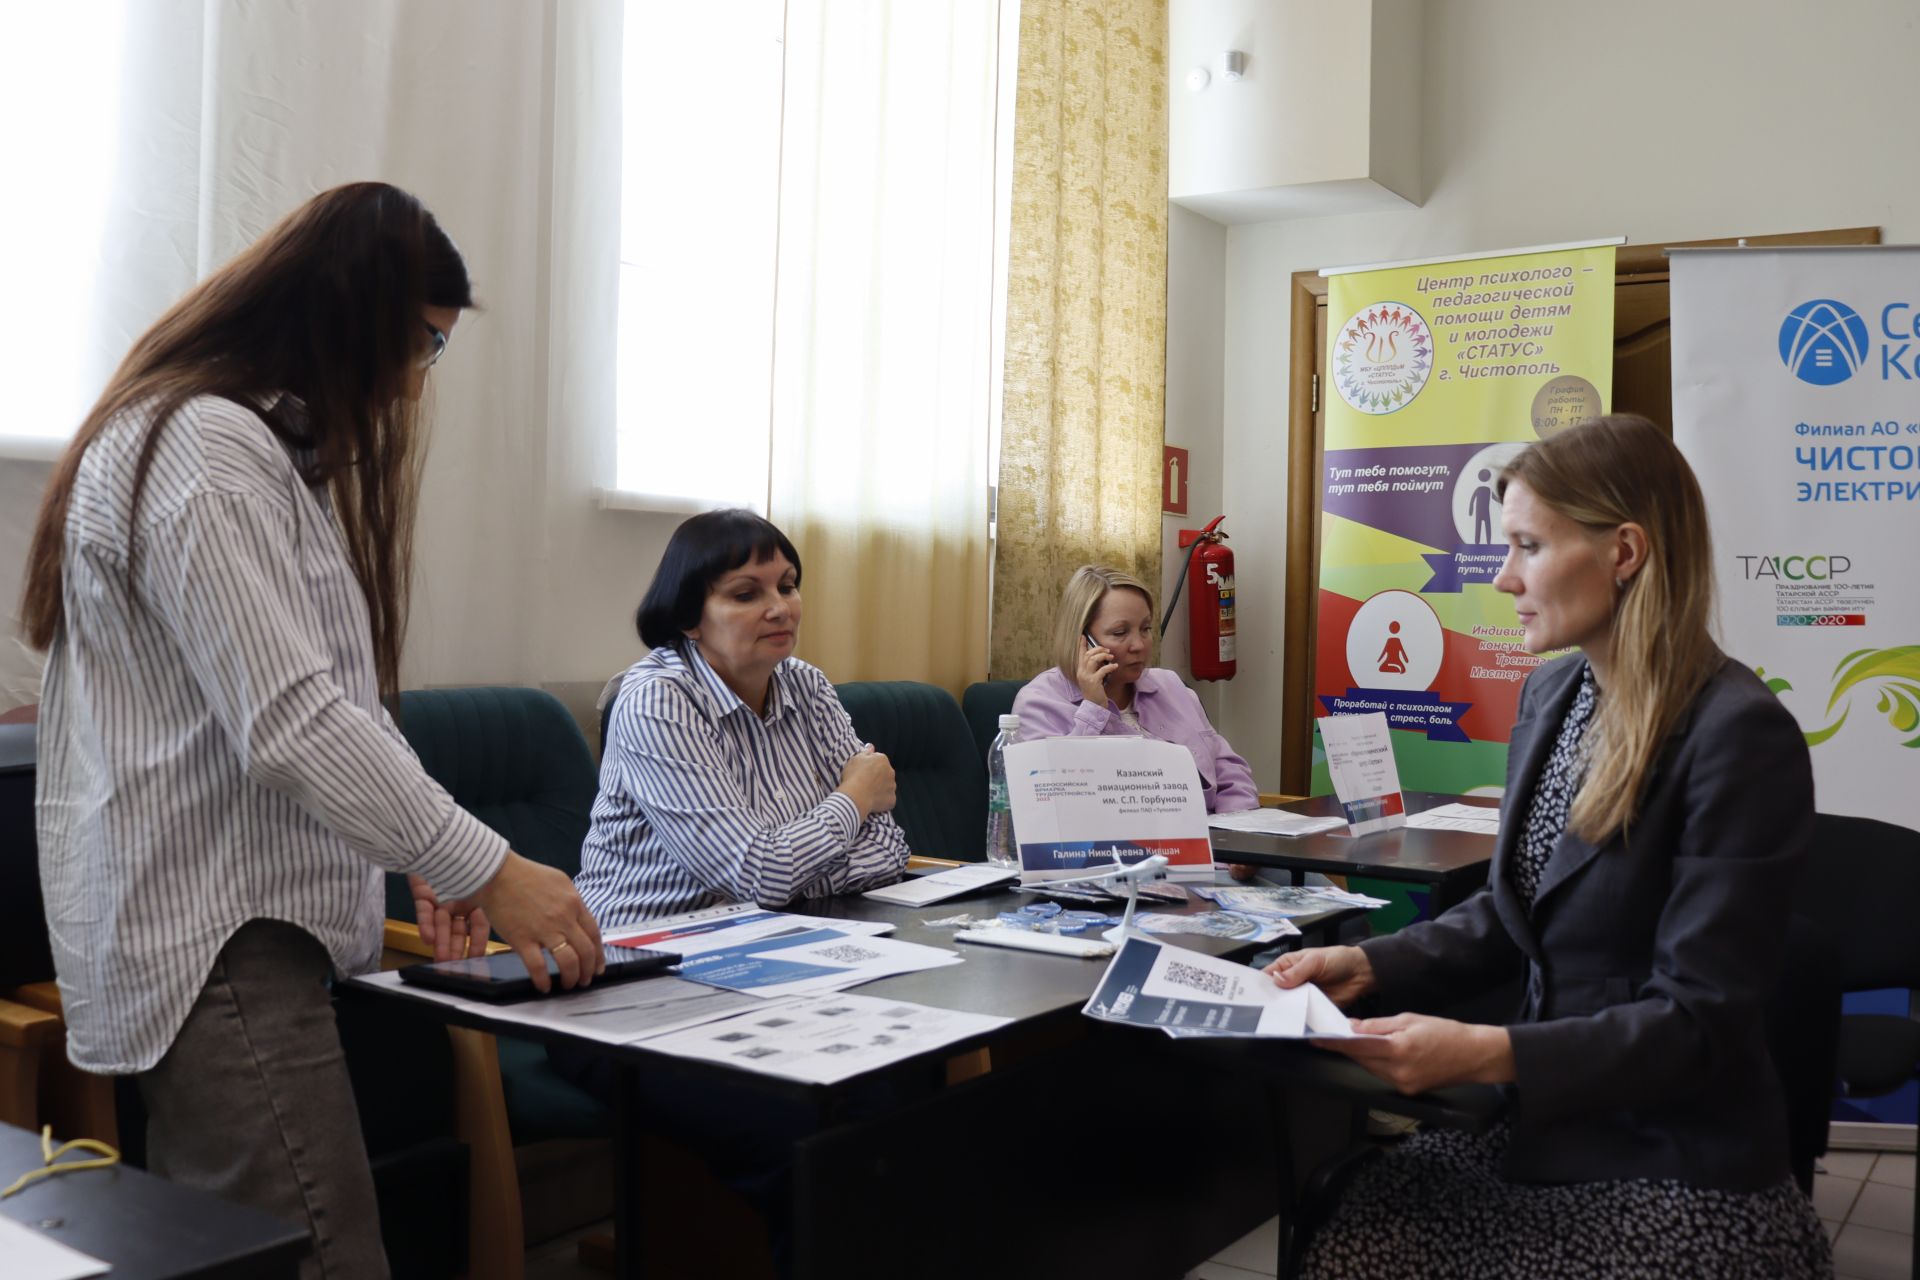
627, 1172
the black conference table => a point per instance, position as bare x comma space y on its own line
1086, 1149
1451, 864
146, 1227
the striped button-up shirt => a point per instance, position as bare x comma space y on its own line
213, 748
702, 801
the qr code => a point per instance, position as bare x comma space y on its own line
1187, 976
847, 953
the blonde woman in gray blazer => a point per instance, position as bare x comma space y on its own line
1659, 803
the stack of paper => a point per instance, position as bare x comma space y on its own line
1284, 901
1217, 924
1458, 817
923, 891
1274, 822
617, 1013
813, 960
729, 926
1186, 993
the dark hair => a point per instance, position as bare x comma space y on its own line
326, 307
700, 551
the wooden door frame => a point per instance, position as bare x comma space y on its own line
1633, 264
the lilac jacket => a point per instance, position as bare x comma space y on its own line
1052, 706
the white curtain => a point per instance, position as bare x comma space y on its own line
883, 331
503, 117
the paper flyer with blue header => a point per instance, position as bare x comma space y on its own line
816, 960
1081, 803
1188, 993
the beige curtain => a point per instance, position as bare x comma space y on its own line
1086, 312
883, 333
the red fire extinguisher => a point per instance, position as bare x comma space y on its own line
1210, 608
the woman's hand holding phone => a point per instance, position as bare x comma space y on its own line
1096, 664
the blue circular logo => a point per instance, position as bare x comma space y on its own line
1823, 342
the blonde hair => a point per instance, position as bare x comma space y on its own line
1085, 589
1602, 474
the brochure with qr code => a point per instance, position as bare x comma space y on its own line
1187, 993
814, 960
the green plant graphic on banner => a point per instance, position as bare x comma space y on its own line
1895, 672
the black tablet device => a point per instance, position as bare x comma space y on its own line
501, 976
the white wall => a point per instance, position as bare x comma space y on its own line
1196, 343
1562, 120
481, 109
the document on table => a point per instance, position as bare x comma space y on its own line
718, 928
1457, 817
29, 1255
1187, 993
1274, 822
1218, 924
618, 1013
1365, 778
1283, 901
816, 960
924, 891
825, 1038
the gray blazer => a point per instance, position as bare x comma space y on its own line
1639, 1050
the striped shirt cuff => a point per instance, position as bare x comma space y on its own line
843, 813
462, 857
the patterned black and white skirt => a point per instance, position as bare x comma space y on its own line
1436, 1207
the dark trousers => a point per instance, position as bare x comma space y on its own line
252, 1102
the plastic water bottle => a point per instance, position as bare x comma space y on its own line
1002, 849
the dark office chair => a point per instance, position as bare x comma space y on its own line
1864, 880
942, 783
24, 953
984, 703
515, 759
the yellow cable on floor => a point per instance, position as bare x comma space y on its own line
105, 1158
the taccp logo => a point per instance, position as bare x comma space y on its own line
1823, 342
1795, 568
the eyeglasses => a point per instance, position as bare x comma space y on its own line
436, 347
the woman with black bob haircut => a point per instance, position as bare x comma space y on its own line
731, 773
219, 577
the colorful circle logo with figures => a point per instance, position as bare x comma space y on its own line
1382, 358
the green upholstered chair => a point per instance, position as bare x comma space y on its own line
942, 779
984, 704
514, 758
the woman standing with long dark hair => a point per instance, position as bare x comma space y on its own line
219, 576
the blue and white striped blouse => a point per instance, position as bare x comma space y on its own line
703, 802
212, 746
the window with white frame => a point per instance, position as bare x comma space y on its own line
699, 223
59, 100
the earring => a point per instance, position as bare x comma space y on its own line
1619, 584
